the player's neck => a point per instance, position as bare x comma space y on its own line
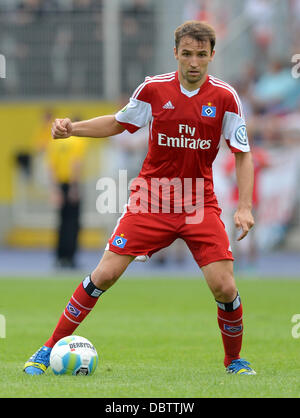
191, 86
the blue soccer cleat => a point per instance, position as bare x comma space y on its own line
38, 362
240, 366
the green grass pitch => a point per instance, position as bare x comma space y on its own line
156, 338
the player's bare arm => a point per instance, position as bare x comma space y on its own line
99, 127
243, 217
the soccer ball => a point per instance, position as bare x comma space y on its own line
73, 355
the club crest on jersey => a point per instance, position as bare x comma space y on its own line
119, 241
208, 111
241, 135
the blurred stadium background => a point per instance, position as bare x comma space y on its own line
83, 58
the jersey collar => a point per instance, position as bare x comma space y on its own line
193, 92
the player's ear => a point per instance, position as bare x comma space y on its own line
212, 55
175, 53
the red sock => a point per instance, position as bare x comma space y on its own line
230, 320
81, 303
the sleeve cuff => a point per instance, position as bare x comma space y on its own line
128, 126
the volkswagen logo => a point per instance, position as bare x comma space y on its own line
241, 135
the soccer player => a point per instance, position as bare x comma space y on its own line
188, 112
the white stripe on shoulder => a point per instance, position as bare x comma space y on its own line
140, 87
222, 84
149, 81
218, 80
159, 76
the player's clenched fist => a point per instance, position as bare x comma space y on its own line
61, 128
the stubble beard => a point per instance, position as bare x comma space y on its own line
194, 80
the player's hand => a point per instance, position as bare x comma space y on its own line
61, 128
56, 197
73, 193
243, 219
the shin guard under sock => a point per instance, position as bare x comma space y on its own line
230, 320
79, 306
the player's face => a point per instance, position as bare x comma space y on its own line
193, 58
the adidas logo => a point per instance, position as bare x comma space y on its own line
168, 105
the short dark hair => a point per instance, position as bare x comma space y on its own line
201, 31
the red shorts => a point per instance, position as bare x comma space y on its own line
146, 233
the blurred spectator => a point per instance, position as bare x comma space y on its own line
85, 50
137, 40
36, 8
289, 127
294, 12
197, 10
8, 5
130, 151
261, 13
214, 12
42, 135
244, 88
53, 46
12, 50
276, 91
65, 159
86, 6
60, 59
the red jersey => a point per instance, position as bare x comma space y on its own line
185, 127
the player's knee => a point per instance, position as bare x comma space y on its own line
224, 288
